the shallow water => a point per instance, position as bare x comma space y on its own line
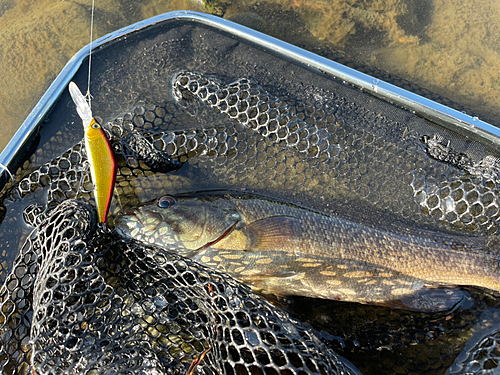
391, 35
451, 48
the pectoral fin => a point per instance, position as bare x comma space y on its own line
274, 233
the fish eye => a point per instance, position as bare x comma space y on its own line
166, 201
95, 126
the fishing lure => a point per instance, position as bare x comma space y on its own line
99, 153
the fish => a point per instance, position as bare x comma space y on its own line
281, 248
100, 155
327, 151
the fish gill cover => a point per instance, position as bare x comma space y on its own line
73, 290
80, 300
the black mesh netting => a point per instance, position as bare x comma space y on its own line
482, 358
79, 298
315, 154
80, 301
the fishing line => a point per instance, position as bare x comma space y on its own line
89, 98
90, 54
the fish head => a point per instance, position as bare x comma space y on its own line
181, 224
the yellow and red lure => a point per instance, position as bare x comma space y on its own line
99, 153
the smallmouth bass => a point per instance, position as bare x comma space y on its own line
285, 249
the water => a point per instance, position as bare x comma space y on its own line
41, 38
448, 47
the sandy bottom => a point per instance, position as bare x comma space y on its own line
450, 47
37, 38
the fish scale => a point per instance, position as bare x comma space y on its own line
273, 146
312, 154
285, 249
145, 72
81, 299
137, 182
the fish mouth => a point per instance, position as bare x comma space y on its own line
221, 237
159, 219
123, 225
131, 214
138, 222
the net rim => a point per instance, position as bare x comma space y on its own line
419, 105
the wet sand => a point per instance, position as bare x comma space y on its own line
451, 48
